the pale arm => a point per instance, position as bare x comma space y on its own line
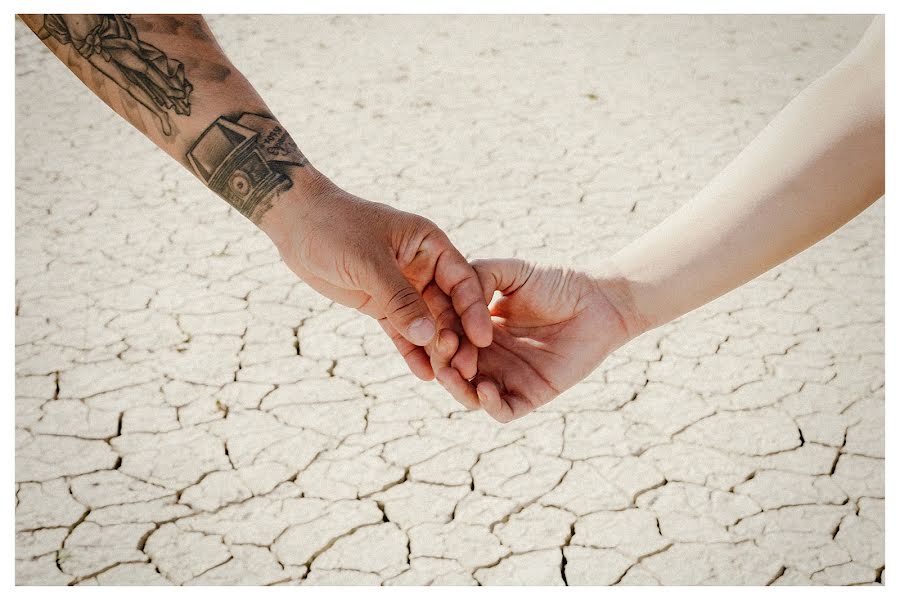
818, 164
813, 168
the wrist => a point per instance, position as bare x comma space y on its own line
297, 204
619, 292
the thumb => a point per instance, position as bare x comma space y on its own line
402, 304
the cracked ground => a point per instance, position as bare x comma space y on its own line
188, 412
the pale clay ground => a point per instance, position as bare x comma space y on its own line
187, 411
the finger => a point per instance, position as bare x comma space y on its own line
494, 404
461, 390
489, 397
458, 279
505, 275
401, 303
466, 359
450, 338
519, 405
442, 352
486, 278
441, 308
522, 387
416, 358
444, 316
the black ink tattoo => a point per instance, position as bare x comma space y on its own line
180, 25
245, 161
212, 71
111, 44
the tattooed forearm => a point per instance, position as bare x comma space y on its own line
111, 44
215, 124
244, 159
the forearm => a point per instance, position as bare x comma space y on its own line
816, 166
167, 76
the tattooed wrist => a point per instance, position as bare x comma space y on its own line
246, 160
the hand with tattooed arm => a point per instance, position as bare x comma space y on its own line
817, 165
168, 77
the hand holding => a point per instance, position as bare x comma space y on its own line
391, 265
551, 328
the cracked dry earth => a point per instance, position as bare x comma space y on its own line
187, 412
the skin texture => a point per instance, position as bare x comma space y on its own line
817, 165
391, 265
552, 327
194, 104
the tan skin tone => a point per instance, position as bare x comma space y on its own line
365, 255
385, 263
552, 327
817, 165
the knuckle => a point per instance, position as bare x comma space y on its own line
404, 302
434, 297
428, 224
526, 270
466, 284
433, 236
447, 317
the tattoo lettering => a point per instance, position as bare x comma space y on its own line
111, 44
245, 161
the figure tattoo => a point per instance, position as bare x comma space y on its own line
111, 44
245, 161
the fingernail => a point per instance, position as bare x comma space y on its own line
421, 331
481, 397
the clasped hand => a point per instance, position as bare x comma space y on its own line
549, 328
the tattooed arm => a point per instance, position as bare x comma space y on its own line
169, 78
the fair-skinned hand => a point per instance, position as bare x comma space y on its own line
552, 327
386, 263
817, 165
